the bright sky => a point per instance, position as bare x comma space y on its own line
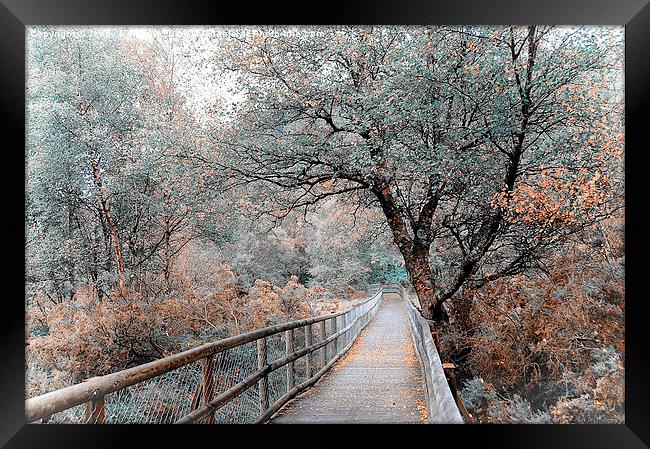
194, 49
195, 46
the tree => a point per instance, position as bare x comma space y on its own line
79, 121
485, 148
107, 124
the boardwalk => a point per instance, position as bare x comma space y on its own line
379, 380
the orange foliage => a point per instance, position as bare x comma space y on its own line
558, 196
526, 334
72, 341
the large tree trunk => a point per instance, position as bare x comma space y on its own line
406, 228
419, 270
414, 249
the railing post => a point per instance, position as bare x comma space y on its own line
290, 368
355, 328
262, 383
95, 411
323, 350
207, 381
448, 369
334, 330
308, 358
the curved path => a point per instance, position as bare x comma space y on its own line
379, 380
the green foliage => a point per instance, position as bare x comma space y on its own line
482, 400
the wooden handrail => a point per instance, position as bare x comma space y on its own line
239, 388
451, 380
441, 403
298, 388
97, 387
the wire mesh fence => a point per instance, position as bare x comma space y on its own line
229, 369
300, 365
236, 375
318, 335
162, 399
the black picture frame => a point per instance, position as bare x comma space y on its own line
15, 15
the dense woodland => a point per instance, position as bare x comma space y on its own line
186, 184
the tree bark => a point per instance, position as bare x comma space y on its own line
414, 249
419, 270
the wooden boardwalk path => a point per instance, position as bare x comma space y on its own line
379, 380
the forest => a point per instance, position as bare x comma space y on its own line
188, 184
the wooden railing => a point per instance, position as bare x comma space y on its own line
199, 384
442, 404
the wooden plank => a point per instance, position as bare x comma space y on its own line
323, 336
439, 392
333, 327
291, 374
95, 411
262, 385
348, 391
207, 381
308, 358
